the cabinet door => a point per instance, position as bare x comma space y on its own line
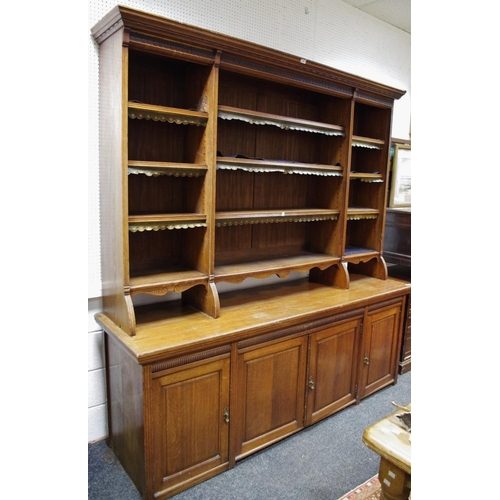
331, 381
270, 391
379, 354
190, 430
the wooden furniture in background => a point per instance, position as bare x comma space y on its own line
223, 160
405, 358
404, 273
397, 242
397, 252
389, 439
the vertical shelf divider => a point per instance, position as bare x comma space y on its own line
206, 298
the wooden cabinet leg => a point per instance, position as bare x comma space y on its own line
395, 482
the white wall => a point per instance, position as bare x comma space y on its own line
326, 31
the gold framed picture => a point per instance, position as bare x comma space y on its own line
400, 195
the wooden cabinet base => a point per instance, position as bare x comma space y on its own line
191, 395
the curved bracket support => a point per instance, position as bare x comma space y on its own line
375, 267
131, 315
336, 275
203, 298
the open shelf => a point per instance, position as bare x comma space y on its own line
370, 178
284, 167
153, 169
160, 283
156, 113
166, 199
156, 222
351, 251
283, 122
359, 213
362, 234
366, 194
371, 126
166, 260
273, 216
165, 142
166, 87
285, 128
279, 264
367, 142
367, 189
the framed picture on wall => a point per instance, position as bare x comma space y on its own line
400, 195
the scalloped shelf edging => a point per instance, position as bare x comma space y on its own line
283, 122
164, 114
287, 168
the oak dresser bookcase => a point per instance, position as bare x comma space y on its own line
223, 160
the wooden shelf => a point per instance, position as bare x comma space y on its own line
366, 142
165, 114
366, 177
357, 213
273, 216
284, 122
161, 283
281, 265
153, 169
351, 251
156, 222
285, 167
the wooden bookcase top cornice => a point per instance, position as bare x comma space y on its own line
145, 28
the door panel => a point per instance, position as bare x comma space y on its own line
381, 334
331, 383
271, 381
190, 434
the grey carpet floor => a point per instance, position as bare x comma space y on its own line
322, 462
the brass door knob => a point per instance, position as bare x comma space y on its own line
366, 360
225, 415
311, 383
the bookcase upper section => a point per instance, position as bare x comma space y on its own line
222, 160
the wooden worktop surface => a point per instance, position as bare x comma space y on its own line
171, 329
